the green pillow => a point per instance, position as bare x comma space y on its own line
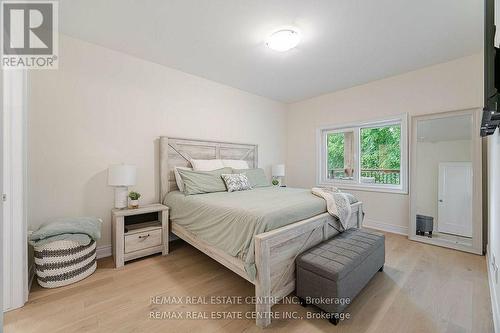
257, 177
197, 182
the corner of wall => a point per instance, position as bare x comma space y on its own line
493, 295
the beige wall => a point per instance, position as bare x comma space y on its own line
103, 107
450, 86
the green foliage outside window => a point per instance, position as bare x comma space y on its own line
380, 148
335, 146
380, 154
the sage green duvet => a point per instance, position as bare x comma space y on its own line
229, 221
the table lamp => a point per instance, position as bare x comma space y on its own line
278, 172
121, 176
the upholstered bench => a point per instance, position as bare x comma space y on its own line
332, 273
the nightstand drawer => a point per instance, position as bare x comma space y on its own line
142, 240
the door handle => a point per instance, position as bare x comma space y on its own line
441, 200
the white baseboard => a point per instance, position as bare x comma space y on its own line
395, 229
493, 296
104, 251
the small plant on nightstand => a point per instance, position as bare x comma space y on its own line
275, 182
134, 199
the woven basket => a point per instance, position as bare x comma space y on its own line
63, 262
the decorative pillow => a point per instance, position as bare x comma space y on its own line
178, 178
236, 182
206, 165
197, 182
257, 177
235, 164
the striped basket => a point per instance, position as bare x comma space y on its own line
63, 262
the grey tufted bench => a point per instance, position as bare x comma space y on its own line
331, 274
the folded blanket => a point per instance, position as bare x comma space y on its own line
78, 229
338, 204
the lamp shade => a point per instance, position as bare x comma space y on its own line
279, 170
121, 175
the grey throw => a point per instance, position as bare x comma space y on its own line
79, 229
338, 203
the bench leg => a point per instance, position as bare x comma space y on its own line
381, 269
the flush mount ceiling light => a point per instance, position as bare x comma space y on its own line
283, 40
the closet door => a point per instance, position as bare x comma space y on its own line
14, 226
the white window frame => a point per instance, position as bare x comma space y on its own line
355, 184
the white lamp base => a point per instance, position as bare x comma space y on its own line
121, 197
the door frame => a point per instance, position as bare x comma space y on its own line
477, 214
15, 229
1, 201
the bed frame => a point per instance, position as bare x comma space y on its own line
275, 251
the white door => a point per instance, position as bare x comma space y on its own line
14, 224
455, 198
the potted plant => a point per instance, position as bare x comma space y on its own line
275, 182
134, 199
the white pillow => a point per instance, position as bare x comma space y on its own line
235, 164
178, 178
206, 165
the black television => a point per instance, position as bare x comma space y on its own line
491, 111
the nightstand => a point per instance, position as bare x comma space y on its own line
139, 232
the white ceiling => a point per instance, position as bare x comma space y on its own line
344, 42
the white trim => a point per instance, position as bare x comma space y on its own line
2, 191
493, 296
367, 188
355, 184
15, 258
395, 229
104, 251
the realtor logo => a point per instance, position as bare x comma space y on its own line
30, 34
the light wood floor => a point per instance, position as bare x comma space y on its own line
422, 289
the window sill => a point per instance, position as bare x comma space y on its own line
365, 188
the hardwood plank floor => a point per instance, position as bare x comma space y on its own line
423, 288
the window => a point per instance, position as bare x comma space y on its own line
340, 146
370, 155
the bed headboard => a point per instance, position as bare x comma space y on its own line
175, 152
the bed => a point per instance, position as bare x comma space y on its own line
280, 223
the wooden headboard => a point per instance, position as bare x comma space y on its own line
175, 152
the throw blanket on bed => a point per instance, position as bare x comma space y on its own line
338, 204
79, 229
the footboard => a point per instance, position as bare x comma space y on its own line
275, 253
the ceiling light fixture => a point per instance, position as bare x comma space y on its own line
283, 40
